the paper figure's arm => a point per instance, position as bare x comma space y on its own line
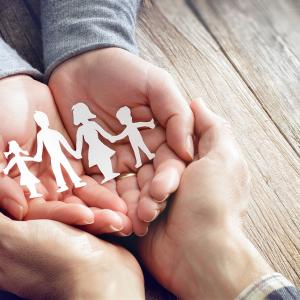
24, 152
120, 136
66, 145
79, 142
39, 152
11, 163
149, 124
105, 134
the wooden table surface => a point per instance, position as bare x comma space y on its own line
243, 58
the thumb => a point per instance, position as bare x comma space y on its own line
172, 111
213, 132
12, 198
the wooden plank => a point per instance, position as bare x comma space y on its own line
259, 39
170, 35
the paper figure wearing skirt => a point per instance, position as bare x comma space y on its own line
133, 133
26, 177
98, 153
53, 141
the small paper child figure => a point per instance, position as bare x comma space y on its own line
26, 177
98, 154
52, 140
135, 137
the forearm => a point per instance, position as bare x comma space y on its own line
73, 27
12, 64
232, 267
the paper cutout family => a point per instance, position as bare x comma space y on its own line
99, 154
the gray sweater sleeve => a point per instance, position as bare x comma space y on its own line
72, 27
12, 64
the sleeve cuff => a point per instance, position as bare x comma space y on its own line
12, 64
273, 287
73, 27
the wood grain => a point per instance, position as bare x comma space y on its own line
172, 36
260, 40
242, 57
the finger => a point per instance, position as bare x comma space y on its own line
72, 214
168, 171
74, 200
173, 112
12, 198
204, 117
108, 221
149, 210
2, 157
96, 195
129, 190
215, 133
145, 174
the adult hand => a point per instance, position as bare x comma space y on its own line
198, 250
111, 78
20, 97
43, 259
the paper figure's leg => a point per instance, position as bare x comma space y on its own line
145, 149
33, 191
74, 177
137, 155
106, 169
60, 181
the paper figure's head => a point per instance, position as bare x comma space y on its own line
124, 115
81, 113
13, 148
41, 119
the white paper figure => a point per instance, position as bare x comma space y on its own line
26, 177
132, 131
52, 140
98, 154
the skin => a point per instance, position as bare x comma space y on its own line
94, 206
199, 250
97, 78
44, 259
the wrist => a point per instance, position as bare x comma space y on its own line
221, 265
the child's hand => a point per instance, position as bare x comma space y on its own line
77, 155
150, 92
37, 159
152, 124
112, 139
90, 204
5, 171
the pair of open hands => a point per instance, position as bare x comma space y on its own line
106, 80
198, 250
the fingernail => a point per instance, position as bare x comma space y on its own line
114, 229
144, 233
124, 234
154, 217
164, 199
190, 146
13, 208
88, 221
